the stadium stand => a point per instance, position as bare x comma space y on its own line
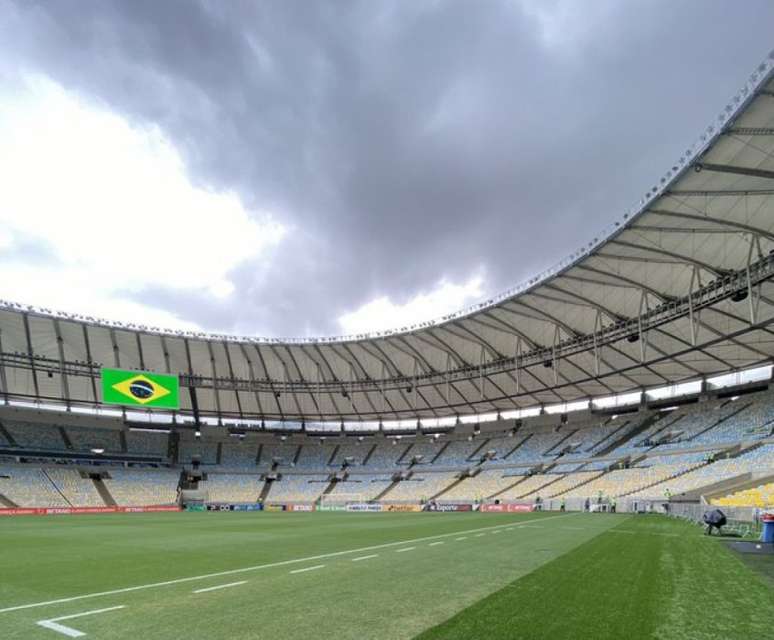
85, 439
230, 487
479, 487
147, 443
420, 487
29, 486
297, 488
238, 456
207, 452
35, 436
75, 489
761, 497
365, 486
142, 487
647, 455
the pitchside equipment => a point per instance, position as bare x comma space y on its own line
140, 388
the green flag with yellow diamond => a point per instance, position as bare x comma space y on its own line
140, 388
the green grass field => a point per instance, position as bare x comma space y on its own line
374, 576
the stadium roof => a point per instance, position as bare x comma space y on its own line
676, 290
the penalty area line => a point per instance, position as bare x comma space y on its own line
53, 623
270, 565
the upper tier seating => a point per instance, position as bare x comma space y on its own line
533, 450
146, 443
457, 453
206, 451
35, 436
86, 439
315, 456
238, 455
356, 450
284, 452
386, 454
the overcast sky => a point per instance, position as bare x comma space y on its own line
296, 168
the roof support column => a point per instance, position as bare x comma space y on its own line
26, 320
481, 357
554, 362
597, 327
62, 374
414, 385
317, 377
381, 388
446, 376
754, 240
693, 316
3, 379
87, 344
517, 361
644, 308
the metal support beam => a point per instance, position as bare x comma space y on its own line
740, 171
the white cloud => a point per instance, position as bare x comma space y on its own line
114, 202
382, 313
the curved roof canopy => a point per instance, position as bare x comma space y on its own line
679, 289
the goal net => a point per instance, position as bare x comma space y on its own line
341, 498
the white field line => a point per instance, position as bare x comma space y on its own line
69, 631
221, 586
373, 555
478, 535
406, 549
270, 565
462, 538
498, 531
433, 544
305, 569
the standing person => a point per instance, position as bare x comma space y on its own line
587, 505
612, 505
562, 505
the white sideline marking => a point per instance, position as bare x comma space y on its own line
221, 586
498, 531
269, 565
478, 535
462, 538
375, 555
406, 549
433, 544
69, 631
317, 566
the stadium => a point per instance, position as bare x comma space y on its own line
538, 465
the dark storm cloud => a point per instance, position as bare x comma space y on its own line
405, 142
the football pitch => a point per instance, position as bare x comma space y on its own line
430, 576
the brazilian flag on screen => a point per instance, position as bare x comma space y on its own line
140, 388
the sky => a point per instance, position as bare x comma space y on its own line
285, 168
